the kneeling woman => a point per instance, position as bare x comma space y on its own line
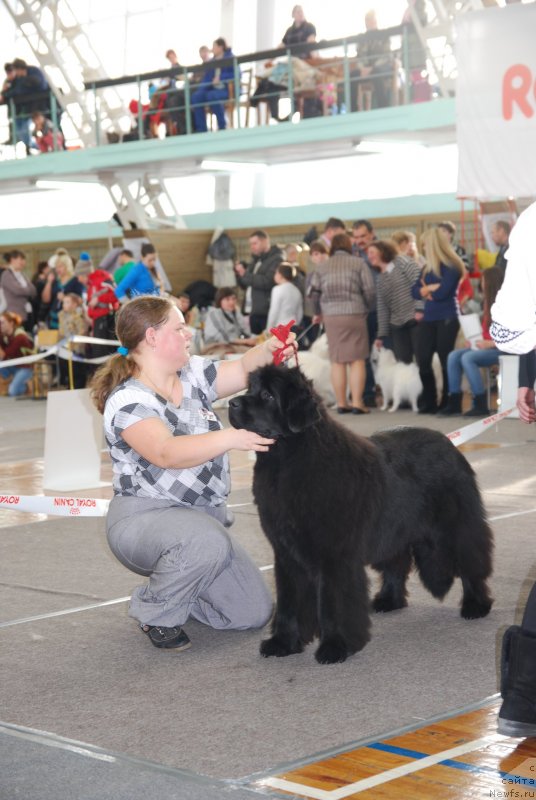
168, 517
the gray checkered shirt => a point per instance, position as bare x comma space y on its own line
205, 485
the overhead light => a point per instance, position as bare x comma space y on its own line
385, 147
233, 166
44, 184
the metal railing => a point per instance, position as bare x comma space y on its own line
357, 73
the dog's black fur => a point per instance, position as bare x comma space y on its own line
331, 502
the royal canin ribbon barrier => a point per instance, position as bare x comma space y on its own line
58, 506
95, 507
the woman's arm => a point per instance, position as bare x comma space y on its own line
128, 281
46, 294
233, 375
12, 285
450, 277
155, 442
383, 315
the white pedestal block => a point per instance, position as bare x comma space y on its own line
74, 438
507, 384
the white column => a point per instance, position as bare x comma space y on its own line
266, 35
258, 195
222, 188
227, 20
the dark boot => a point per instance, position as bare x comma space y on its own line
517, 715
479, 407
453, 406
428, 397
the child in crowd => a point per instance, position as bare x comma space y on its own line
15, 343
73, 322
44, 134
286, 300
183, 304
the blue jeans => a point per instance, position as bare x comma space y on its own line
469, 361
208, 96
21, 376
22, 130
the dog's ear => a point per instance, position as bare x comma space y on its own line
302, 410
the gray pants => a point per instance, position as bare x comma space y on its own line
194, 567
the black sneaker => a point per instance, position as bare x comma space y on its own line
167, 638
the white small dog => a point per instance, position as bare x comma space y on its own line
400, 382
315, 365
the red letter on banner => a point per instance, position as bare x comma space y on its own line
516, 94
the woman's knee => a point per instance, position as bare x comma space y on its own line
210, 547
468, 359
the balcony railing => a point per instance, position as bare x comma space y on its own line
359, 73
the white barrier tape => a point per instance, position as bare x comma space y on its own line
463, 435
93, 507
66, 354
16, 362
92, 340
63, 352
59, 506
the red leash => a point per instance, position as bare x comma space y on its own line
281, 333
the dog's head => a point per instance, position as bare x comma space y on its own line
279, 402
381, 358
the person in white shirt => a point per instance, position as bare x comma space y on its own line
286, 301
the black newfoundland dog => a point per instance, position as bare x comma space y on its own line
331, 502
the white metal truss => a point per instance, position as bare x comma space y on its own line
142, 202
64, 52
437, 37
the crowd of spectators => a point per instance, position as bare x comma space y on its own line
361, 290
380, 71
318, 84
26, 91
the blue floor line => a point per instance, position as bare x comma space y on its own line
474, 768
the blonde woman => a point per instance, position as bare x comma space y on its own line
60, 281
438, 329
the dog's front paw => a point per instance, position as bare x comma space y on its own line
384, 603
332, 651
275, 646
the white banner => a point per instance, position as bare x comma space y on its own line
496, 102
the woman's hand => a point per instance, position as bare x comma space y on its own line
428, 288
273, 343
484, 344
525, 404
247, 440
